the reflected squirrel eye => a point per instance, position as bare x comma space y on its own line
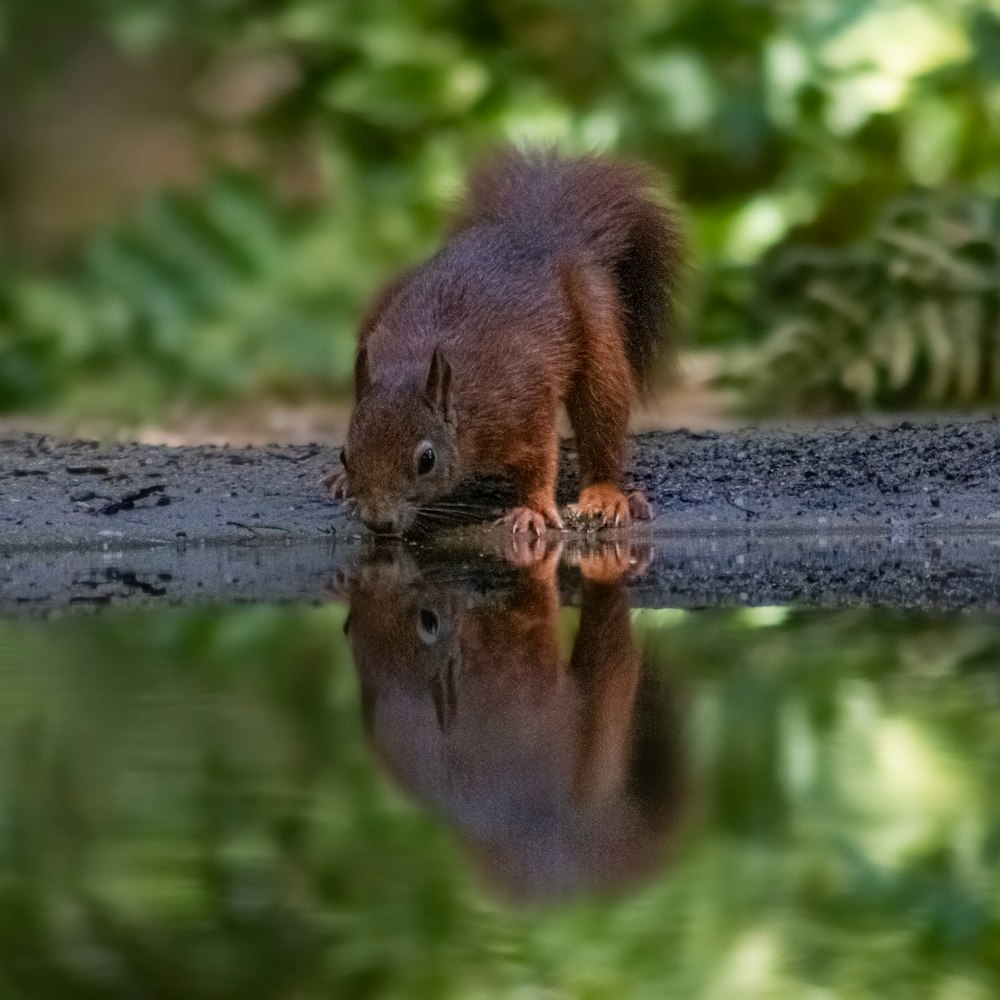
426, 461
428, 627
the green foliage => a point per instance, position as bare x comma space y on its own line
910, 317
210, 296
190, 809
770, 119
31, 357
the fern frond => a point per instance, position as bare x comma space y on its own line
910, 317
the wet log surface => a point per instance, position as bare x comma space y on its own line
904, 515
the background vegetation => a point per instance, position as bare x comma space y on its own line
312, 145
189, 809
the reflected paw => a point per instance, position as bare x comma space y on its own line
611, 562
525, 549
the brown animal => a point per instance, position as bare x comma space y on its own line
559, 776
554, 288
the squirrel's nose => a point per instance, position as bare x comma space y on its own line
382, 527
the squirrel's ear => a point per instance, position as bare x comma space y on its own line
438, 391
361, 380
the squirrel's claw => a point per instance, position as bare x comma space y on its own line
335, 483
605, 504
526, 519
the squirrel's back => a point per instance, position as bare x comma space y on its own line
608, 209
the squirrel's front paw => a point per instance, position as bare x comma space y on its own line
335, 483
534, 521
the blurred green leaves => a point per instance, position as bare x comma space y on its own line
210, 296
911, 317
188, 806
777, 123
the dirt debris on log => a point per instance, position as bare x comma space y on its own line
908, 477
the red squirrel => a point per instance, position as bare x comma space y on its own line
554, 288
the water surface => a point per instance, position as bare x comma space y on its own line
430, 786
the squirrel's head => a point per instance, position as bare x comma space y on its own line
402, 449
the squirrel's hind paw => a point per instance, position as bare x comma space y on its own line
335, 483
604, 506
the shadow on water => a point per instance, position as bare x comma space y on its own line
559, 772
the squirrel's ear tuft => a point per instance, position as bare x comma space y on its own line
438, 391
361, 380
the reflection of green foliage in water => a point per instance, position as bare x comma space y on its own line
770, 118
188, 801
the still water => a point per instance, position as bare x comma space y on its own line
427, 787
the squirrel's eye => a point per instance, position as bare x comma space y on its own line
343, 457
428, 627
425, 462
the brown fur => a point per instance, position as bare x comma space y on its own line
555, 288
558, 776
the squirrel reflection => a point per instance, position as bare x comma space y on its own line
560, 776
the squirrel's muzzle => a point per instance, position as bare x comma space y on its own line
382, 527
383, 520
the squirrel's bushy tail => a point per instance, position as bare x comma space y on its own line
610, 206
